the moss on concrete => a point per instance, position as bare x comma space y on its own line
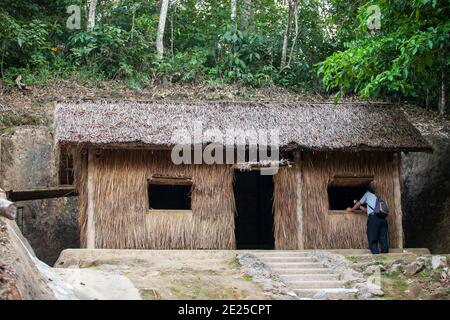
10, 120
189, 271
149, 294
247, 277
195, 288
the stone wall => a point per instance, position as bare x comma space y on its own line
426, 197
28, 160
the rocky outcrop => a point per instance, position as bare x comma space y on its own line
19, 275
28, 160
426, 196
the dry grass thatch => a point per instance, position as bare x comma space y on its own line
317, 126
323, 230
122, 218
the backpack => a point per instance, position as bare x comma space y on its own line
381, 209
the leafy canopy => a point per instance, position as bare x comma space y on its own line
405, 58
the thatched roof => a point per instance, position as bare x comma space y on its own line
316, 126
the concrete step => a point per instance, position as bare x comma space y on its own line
286, 259
340, 293
296, 271
281, 253
309, 277
291, 265
316, 284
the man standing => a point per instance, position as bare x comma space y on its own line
377, 226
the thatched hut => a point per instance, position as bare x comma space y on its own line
133, 196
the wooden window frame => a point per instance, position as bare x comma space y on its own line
350, 181
341, 212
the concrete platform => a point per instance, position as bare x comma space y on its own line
76, 256
396, 251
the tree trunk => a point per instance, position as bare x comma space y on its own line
172, 31
234, 13
443, 95
247, 14
132, 25
286, 36
91, 14
297, 33
161, 28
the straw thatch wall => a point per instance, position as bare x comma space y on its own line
122, 218
323, 230
285, 209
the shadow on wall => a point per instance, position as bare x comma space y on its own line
28, 160
426, 197
50, 226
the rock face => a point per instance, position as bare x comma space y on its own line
426, 197
19, 276
28, 160
438, 262
414, 267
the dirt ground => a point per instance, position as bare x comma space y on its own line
173, 274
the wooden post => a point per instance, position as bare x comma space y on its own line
90, 229
299, 183
398, 199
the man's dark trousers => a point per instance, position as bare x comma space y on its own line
377, 232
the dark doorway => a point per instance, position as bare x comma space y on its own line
253, 194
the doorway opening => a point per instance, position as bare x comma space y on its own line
253, 195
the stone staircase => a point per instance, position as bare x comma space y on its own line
305, 275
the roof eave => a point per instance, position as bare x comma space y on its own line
288, 147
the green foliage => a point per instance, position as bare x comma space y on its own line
200, 43
334, 50
242, 57
103, 47
405, 58
183, 66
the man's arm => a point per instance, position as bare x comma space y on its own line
355, 207
358, 204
